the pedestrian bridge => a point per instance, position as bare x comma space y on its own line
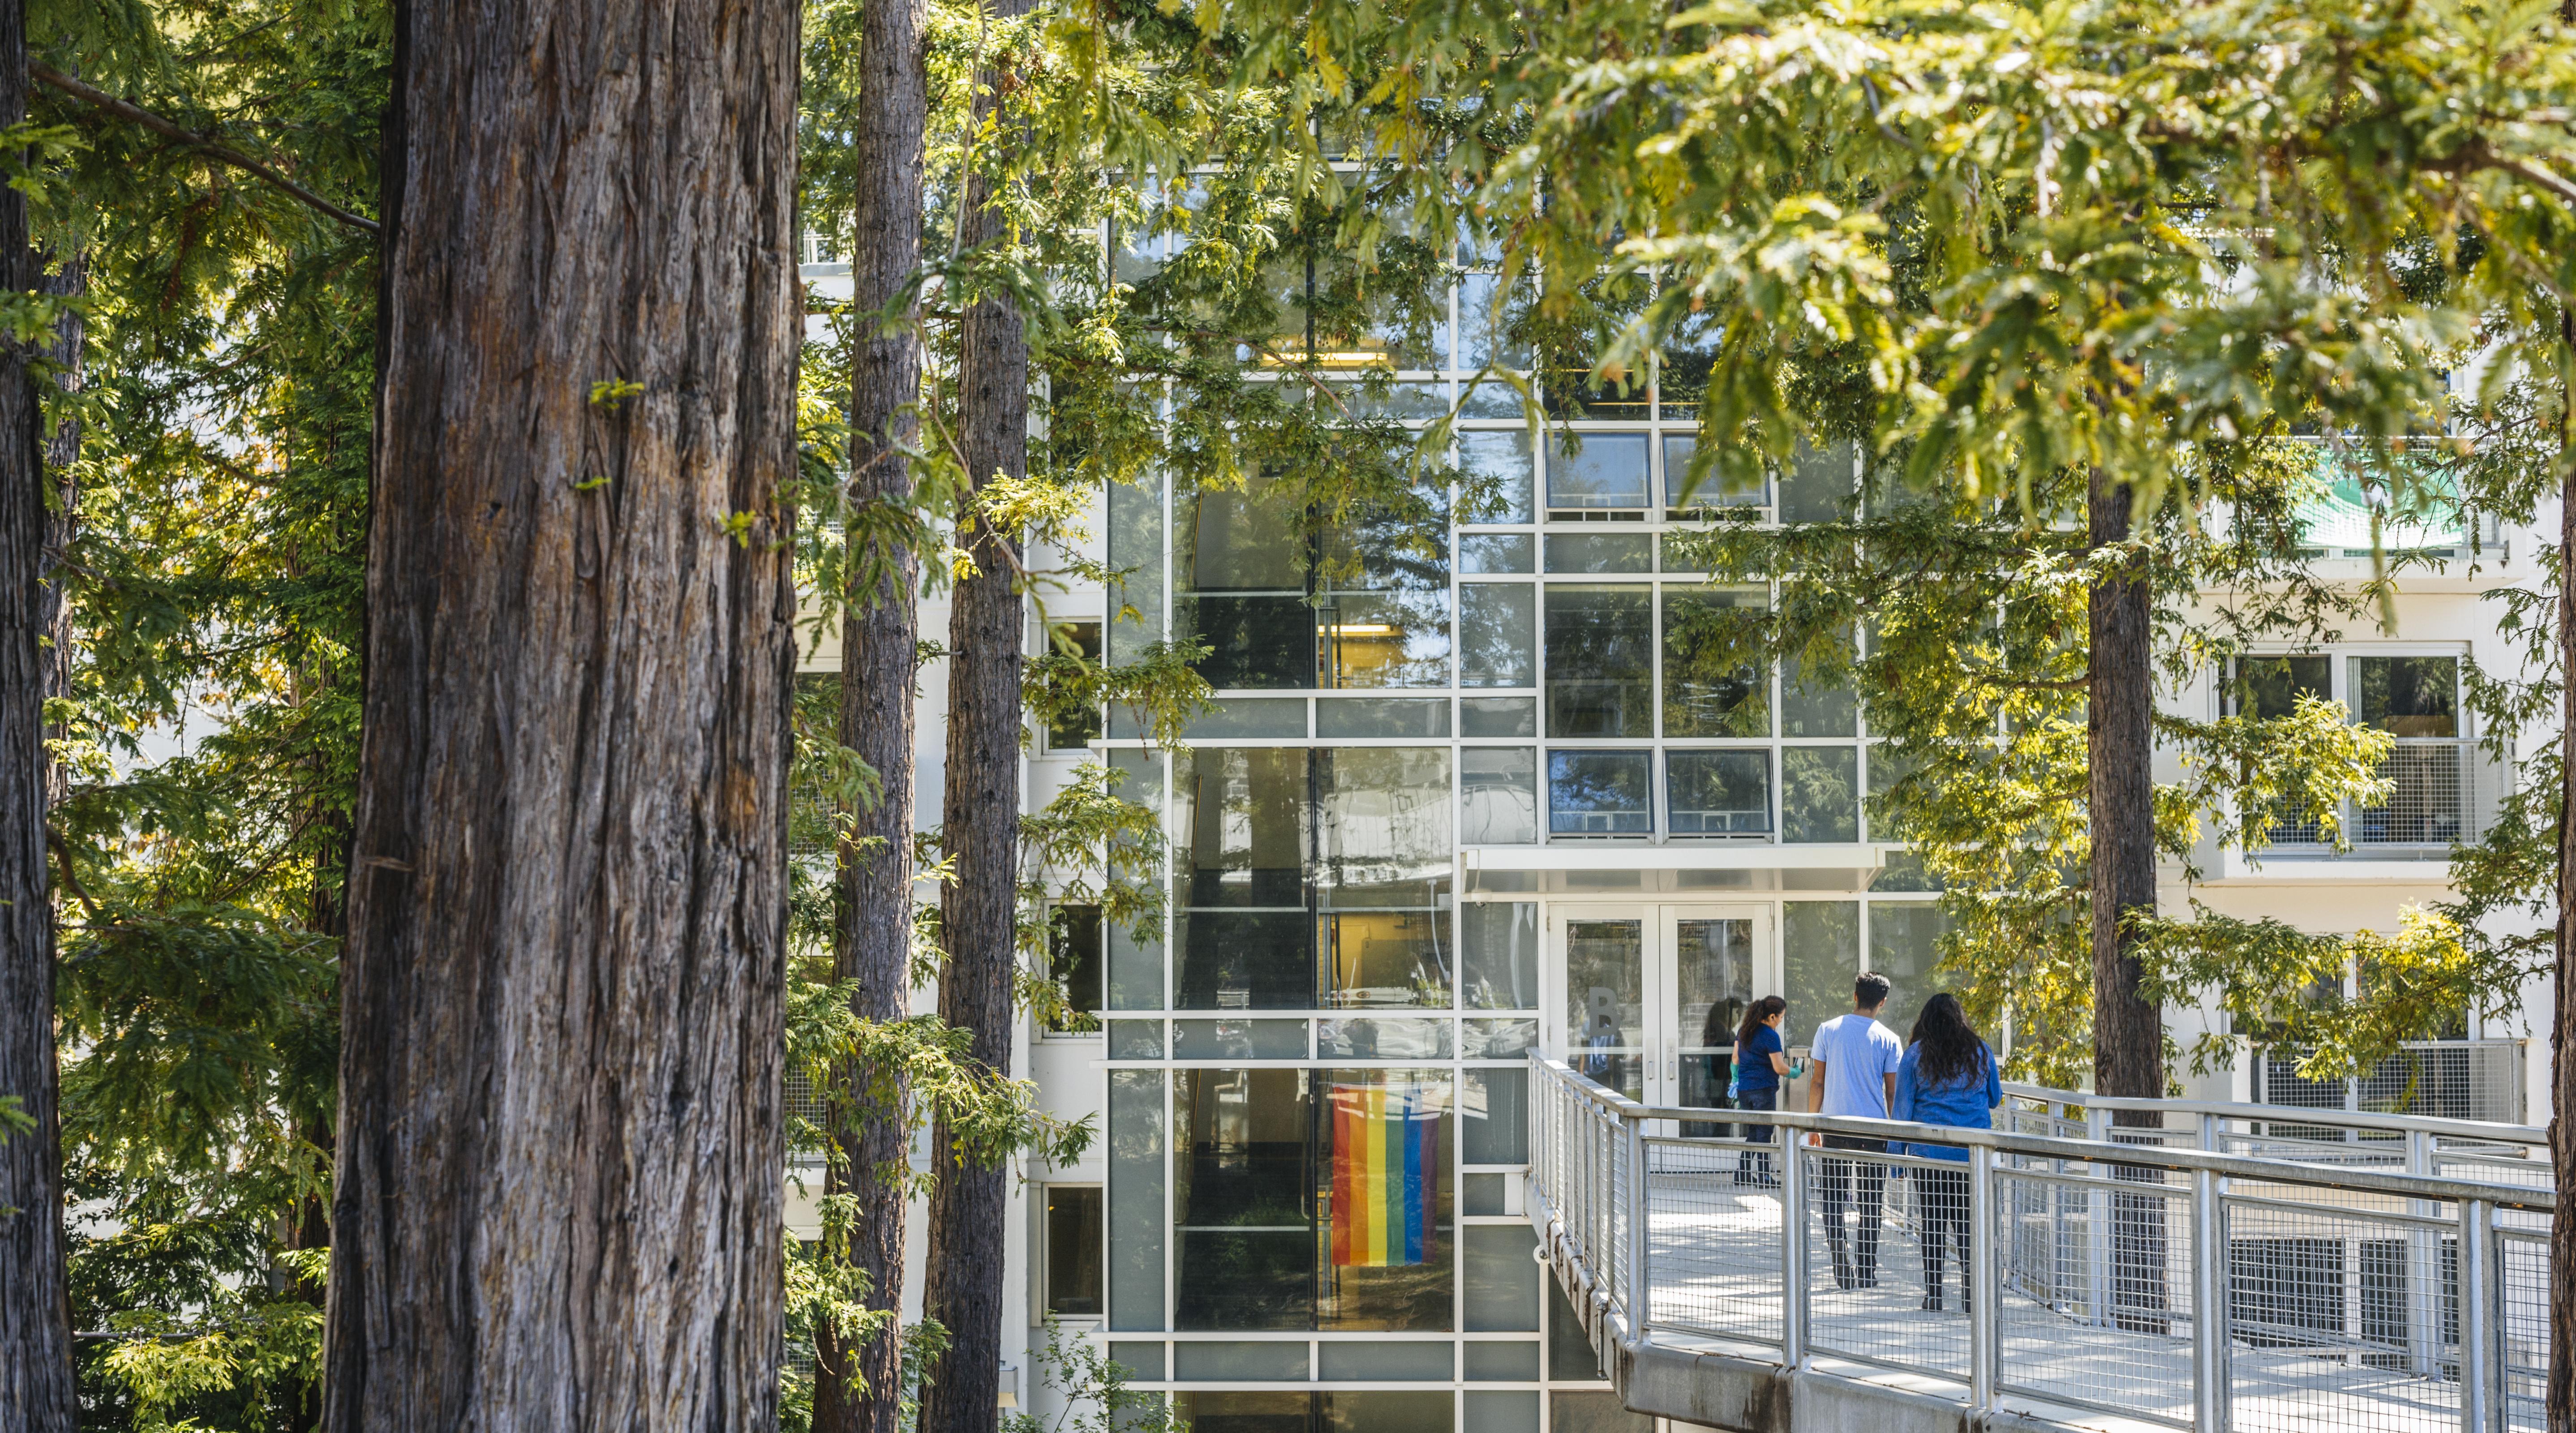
2226, 1267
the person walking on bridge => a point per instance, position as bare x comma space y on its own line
1948, 1077
1855, 1074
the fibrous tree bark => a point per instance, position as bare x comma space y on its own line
2128, 1032
860, 1387
2128, 1036
35, 1312
560, 1152
980, 833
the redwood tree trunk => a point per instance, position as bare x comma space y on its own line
980, 826
561, 1153
859, 1389
35, 1311
2128, 1037
69, 279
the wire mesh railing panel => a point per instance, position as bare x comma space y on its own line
2096, 1305
2522, 1325
2341, 1319
1887, 1255
2430, 801
1714, 1246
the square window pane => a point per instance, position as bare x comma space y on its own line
1684, 492
1492, 397
1501, 1277
1819, 956
1497, 796
1386, 1410
1242, 1211
1497, 716
1499, 470
1819, 793
2408, 696
1598, 552
1492, 552
1073, 1250
1382, 1038
1386, 958
1501, 1039
1707, 691
1819, 484
1238, 1039
1385, 1361
1600, 661
1608, 472
1245, 1361
1382, 717
1143, 1360
1246, 960
1135, 968
1498, 941
1384, 837
1718, 793
1240, 541
1814, 707
1497, 1113
1246, 813
1384, 639
1254, 641
1600, 793
1510, 1411
1073, 941
1485, 312
2270, 687
1240, 1412
1903, 946
1503, 1363
1247, 719
1482, 1194
1135, 1039
1494, 641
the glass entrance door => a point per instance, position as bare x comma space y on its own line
1651, 995
1715, 954
1604, 959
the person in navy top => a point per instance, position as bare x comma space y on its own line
1758, 1068
1948, 1077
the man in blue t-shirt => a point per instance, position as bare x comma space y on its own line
1855, 1074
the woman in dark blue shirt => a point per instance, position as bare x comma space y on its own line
1948, 1077
1758, 1068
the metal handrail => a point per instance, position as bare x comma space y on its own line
1593, 1166
2290, 1114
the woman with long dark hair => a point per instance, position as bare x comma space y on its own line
1758, 1068
1948, 1077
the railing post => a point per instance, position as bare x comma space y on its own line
2210, 1379
2097, 1225
1983, 1324
1641, 1218
2479, 1400
1793, 1247
2424, 1269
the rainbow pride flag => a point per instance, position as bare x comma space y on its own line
1386, 1174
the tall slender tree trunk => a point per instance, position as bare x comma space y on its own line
2561, 1393
68, 279
2128, 1036
980, 832
860, 1387
561, 1150
35, 1310
2128, 1033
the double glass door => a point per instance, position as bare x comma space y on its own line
1648, 997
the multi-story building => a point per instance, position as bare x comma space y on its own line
1451, 812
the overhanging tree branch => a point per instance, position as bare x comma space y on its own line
207, 145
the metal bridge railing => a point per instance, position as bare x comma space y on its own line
2205, 1271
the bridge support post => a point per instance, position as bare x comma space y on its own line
1641, 1229
2210, 1384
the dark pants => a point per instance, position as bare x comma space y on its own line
1752, 1166
1841, 1175
1942, 1197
